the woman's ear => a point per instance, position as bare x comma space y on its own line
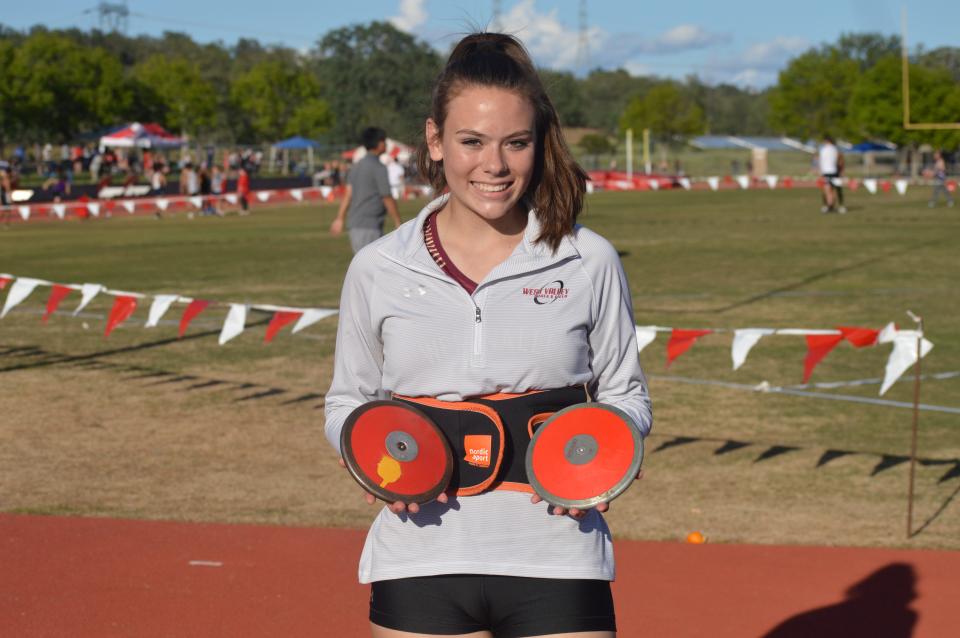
434, 144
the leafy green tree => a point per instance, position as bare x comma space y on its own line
188, 102
876, 104
666, 111
375, 75
280, 100
866, 49
54, 87
812, 93
565, 92
606, 95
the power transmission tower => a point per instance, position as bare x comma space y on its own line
583, 42
114, 16
495, 22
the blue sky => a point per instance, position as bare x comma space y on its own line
745, 42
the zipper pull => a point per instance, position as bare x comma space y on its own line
478, 315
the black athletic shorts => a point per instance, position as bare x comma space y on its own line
507, 606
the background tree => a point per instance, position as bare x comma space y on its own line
188, 102
375, 75
666, 111
279, 100
812, 93
565, 92
55, 87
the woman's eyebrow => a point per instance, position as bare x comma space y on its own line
466, 131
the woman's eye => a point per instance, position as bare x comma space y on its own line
519, 144
470, 142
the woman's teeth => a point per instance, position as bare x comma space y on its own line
491, 188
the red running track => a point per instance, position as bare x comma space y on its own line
83, 577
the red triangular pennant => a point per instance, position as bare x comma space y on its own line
859, 337
123, 307
818, 346
194, 308
680, 342
4, 281
280, 319
57, 295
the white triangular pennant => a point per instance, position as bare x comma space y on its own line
901, 186
87, 293
130, 206
196, 202
19, 291
94, 208
645, 336
590, 188
870, 185
685, 183
744, 181
60, 210
654, 184
297, 194
714, 183
234, 323
743, 342
263, 195
232, 198
903, 356
24, 212
161, 203
311, 316
325, 191
771, 180
887, 334
159, 307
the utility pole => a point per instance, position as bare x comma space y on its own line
583, 42
114, 16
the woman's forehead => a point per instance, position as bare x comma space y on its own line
489, 106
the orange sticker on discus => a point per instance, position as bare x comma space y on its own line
478, 449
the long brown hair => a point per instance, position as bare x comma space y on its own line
499, 60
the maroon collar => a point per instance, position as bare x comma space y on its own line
432, 239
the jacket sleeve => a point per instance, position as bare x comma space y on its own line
358, 358
618, 378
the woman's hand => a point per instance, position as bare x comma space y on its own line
575, 512
398, 507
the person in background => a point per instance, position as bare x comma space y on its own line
940, 181
831, 167
396, 174
367, 200
206, 190
243, 189
218, 183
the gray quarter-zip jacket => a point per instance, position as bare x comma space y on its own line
539, 320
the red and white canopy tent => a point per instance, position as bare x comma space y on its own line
395, 150
137, 135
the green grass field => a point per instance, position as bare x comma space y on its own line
126, 426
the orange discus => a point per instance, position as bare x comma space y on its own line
583, 455
396, 452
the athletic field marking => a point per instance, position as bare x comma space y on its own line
205, 563
939, 376
811, 395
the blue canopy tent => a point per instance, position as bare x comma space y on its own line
295, 143
873, 147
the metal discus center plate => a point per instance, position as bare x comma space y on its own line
402, 446
581, 449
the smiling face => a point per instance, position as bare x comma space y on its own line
488, 148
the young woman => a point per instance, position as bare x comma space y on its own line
492, 291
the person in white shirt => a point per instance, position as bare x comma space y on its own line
831, 169
493, 290
395, 175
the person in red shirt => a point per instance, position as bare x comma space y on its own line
243, 189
